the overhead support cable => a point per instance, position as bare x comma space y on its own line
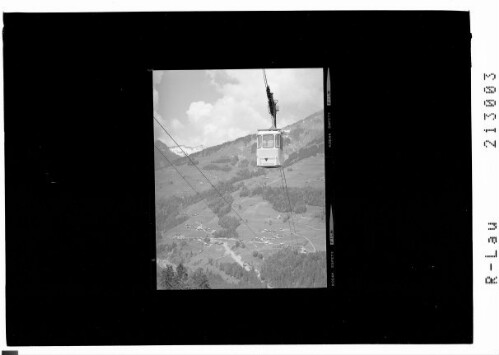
212, 185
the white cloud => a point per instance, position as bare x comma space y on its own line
199, 110
176, 124
298, 91
159, 134
243, 107
155, 96
157, 76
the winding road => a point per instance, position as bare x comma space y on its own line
312, 244
237, 258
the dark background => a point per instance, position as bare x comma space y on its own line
80, 177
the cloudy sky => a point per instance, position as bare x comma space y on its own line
209, 107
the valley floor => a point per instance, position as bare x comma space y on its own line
194, 242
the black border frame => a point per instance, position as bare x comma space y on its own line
78, 199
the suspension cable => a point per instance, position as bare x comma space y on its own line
213, 186
289, 200
168, 160
284, 191
265, 78
182, 176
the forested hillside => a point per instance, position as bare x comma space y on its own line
234, 225
290, 269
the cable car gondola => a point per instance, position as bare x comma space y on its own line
269, 148
269, 141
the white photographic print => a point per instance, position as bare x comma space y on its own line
239, 178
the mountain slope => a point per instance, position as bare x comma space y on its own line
185, 149
299, 135
159, 160
232, 238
